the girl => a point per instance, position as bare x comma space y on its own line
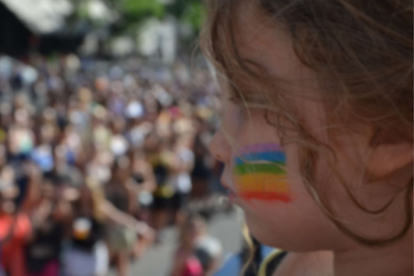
317, 132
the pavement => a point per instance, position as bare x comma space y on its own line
157, 261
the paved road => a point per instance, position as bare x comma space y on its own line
157, 261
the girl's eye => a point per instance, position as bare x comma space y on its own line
233, 99
240, 107
236, 100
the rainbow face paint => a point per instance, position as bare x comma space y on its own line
260, 173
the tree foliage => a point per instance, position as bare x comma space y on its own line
133, 12
137, 10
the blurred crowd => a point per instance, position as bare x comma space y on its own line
96, 158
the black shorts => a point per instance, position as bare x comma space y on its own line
179, 201
161, 203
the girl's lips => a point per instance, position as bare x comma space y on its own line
230, 193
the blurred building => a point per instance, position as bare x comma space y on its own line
159, 39
35, 24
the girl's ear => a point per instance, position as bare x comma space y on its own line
388, 155
387, 159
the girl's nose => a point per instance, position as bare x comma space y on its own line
219, 147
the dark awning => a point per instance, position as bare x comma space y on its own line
40, 16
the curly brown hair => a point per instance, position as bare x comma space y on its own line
362, 55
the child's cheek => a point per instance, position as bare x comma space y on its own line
260, 173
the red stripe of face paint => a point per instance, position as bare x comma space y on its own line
252, 185
266, 196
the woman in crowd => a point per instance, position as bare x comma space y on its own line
121, 238
185, 262
88, 254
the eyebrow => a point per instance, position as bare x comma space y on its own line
260, 148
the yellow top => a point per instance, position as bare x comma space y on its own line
267, 260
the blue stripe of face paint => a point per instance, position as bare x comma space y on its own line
275, 156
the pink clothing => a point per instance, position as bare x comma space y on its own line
12, 253
193, 267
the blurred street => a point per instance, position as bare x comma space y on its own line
157, 261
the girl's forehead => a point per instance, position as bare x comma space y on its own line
265, 41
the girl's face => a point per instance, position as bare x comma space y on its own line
265, 177
264, 180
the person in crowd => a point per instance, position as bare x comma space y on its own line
121, 238
160, 159
208, 249
15, 230
317, 130
201, 174
87, 253
125, 235
49, 220
143, 184
182, 164
185, 262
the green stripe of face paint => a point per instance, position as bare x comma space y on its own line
275, 168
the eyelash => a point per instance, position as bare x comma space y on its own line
236, 101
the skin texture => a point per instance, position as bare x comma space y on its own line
300, 226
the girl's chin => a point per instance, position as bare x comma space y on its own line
258, 228
260, 234
261, 229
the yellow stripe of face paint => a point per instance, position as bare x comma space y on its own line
262, 183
